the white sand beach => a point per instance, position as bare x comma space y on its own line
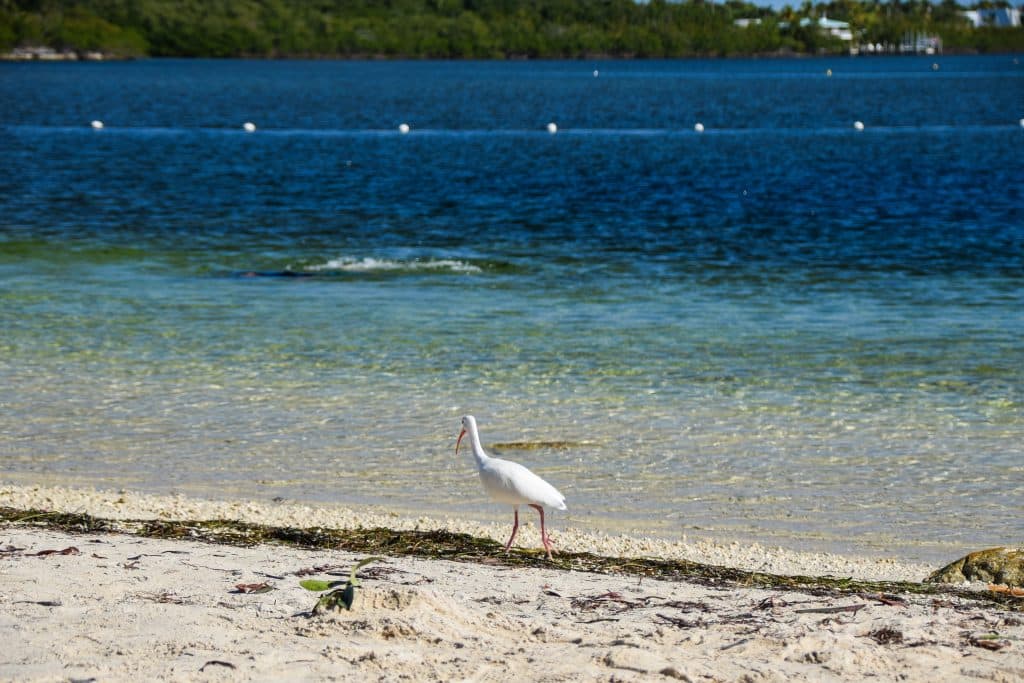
111, 607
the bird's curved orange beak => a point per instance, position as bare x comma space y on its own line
461, 434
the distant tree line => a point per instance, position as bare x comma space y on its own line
502, 29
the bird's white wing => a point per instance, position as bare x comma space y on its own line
509, 482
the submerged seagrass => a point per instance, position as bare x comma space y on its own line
459, 547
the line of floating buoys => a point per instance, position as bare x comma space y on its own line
404, 128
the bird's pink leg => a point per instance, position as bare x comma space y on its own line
543, 533
515, 527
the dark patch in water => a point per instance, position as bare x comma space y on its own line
274, 273
539, 445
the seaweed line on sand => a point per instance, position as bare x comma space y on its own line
460, 547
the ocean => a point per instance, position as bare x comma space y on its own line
781, 329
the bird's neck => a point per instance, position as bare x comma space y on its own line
478, 450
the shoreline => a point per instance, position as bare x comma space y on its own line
753, 557
96, 603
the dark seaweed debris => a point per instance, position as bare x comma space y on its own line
446, 545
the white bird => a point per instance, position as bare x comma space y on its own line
509, 482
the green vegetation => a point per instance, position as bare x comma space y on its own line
338, 593
473, 28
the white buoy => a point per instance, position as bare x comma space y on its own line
858, 125
552, 128
935, 66
1022, 123
403, 128
699, 127
596, 73
249, 127
98, 125
828, 72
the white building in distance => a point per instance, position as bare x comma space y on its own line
999, 17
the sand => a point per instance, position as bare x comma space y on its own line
123, 607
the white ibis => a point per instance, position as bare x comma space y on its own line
509, 482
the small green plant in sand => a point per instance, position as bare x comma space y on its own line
339, 593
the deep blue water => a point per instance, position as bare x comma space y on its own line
781, 328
